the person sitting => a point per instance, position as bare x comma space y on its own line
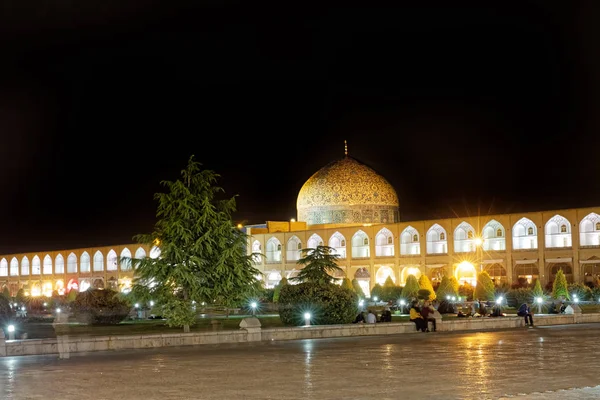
386, 315
552, 308
371, 317
360, 318
417, 318
563, 307
427, 314
525, 312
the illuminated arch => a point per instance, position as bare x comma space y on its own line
59, 264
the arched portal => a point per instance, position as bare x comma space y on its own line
410, 270
383, 273
553, 269
466, 273
363, 277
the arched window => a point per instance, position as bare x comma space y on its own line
59, 264
273, 253
36, 266
409, 242
14, 267
294, 245
98, 261
4, 267
25, 266
47, 269
524, 235
360, 245
493, 236
588, 230
499, 233
72, 264
125, 260
84, 262
338, 244
314, 241
557, 232
436, 240
140, 253
463, 238
112, 260
415, 238
384, 243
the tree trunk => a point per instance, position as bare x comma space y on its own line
186, 328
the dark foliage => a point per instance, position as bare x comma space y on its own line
100, 307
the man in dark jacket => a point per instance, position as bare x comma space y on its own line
525, 312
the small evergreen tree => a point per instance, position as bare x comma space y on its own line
347, 283
454, 283
560, 287
485, 289
537, 289
359, 291
20, 297
445, 289
377, 291
6, 293
317, 264
411, 288
425, 284
277, 290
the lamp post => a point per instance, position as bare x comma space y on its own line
11, 332
539, 302
253, 306
307, 319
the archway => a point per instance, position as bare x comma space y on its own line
553, 269
497, 272
383, 273
466, 273
410, 270
363, 278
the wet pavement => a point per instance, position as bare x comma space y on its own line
555, 362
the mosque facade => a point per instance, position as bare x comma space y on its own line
350, 208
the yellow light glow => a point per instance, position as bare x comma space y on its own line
478, 241
293, 220
240, 226
156, 241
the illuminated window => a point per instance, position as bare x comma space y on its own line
442, 236
530, 231
366, 242
499, 233
390, 240
59, 264
470, 235
415, 238
563, 229
343, 243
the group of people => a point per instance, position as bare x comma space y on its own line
422, 316
371, 318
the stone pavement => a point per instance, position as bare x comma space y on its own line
555, 362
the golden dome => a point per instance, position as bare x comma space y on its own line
347, 191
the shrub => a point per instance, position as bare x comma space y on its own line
516, 297
425, 283
537, 289
278, 287
377, 291
266, 295
485, 289
358, 289
6, 293
411, 288
454, 283
583, 292
423, 294
328, 304
560, 288
100, 307
445, 289
466, 291
6, 312
35, 305
347, 283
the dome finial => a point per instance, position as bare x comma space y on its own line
345, 148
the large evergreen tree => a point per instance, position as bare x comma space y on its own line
347, 283
277, 289
445, 289
560, 287
425, 283
485, 289
317, 264
454, 283
411, 288
202, 254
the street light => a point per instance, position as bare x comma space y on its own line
253, 306
307, 318
539, 301
11, 332
499, 300
375, 299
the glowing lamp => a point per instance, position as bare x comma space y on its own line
375, 298
11, 328
539, 300
478, 242
253, 304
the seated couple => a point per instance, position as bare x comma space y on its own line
421, 316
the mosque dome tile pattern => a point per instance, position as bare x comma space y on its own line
347, 192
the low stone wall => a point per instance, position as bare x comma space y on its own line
251, 332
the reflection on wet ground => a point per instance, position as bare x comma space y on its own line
524, 363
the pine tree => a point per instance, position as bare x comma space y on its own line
485, 289
359, 291
560, 287
537, 289
202, 253
425, 283
389, 283
317, 263
411, 288
277, 289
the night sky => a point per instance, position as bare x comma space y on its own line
465, 109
